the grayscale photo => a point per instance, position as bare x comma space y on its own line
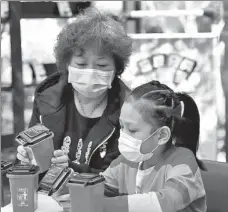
114, 106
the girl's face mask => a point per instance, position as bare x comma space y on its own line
90, 82
130, 147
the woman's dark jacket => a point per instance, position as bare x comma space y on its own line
50, 104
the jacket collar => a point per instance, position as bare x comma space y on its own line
51, 97
55, 91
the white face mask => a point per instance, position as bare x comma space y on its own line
90, 82
129, 147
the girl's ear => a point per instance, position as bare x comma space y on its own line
165, 134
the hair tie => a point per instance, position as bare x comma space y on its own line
174, 112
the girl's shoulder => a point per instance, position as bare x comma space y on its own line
182, 158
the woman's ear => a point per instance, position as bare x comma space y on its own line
165, 134
114, 75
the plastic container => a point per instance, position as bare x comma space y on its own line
40, 140
86, 192
55, 180
6, 165
23, 187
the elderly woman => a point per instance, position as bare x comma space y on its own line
81, 102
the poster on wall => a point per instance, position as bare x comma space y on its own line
189, 65
185, 65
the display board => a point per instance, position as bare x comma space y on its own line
186, 65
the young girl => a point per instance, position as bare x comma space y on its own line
157, 170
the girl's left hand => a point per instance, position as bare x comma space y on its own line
64, 202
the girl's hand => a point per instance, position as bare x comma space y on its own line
64, 202
60, 158
25, 155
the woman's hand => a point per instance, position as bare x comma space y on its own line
64, 202
60, 158
25, 155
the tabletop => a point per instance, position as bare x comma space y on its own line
45, 204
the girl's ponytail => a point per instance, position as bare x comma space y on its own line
187, 128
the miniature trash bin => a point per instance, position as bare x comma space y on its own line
40, 140
23, 181
86, 192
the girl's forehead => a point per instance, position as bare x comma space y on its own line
130, 114
139, 112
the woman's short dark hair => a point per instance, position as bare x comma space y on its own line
100, 28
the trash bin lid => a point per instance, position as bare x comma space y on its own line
86, 179
33, 135
21, 169
6, 165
